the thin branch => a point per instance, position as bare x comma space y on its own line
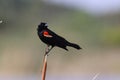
45, 62
44, 68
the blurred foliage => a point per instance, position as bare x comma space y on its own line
111, 36
19, 17
18, 35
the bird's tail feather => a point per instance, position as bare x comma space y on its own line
74, 45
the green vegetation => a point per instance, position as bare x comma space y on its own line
20, 18
18, 35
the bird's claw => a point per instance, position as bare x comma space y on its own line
48, 49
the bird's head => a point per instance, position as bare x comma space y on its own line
42, 26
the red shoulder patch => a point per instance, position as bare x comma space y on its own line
46, 34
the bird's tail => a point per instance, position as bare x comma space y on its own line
74, 45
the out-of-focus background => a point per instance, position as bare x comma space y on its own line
93, 24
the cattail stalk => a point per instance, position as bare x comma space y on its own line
44, 67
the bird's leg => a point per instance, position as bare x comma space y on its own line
48, 49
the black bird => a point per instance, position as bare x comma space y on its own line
52, 39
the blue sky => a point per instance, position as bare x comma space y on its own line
90, 6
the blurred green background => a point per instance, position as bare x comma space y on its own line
21, 51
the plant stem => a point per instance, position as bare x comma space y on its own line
44, 68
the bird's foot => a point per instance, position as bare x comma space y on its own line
48, 49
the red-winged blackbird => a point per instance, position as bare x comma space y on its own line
52, 39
